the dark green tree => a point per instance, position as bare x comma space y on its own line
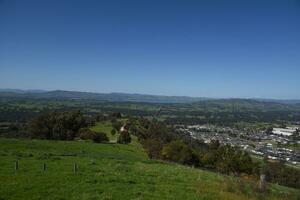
113, 131
124, 137
57, 125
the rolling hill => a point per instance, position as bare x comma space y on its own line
112, 97
123, 97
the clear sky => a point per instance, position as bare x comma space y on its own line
196, 48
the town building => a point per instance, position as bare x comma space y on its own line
284, 131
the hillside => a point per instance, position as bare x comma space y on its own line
110, 171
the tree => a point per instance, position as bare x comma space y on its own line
117, 125
214, 144
113, 131
269, 130
87, 134
153, 147
100, 137
57, 125
282, 125
296, 135
116, 115
124, 137
282, 174
178, 151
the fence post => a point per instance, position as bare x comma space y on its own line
262, 182
74, 167
16, 165
44, 166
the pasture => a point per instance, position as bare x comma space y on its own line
108, 171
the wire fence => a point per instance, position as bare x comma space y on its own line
45, 167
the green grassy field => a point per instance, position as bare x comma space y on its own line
109, 171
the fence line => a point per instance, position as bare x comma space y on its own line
45, 167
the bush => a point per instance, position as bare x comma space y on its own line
113, 131
87, 134
152, 147
100, 137
117, 125
124, 137
178, 151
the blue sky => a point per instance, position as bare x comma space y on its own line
194, 48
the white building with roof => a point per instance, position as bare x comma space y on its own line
284, 131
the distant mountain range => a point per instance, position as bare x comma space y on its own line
115, 97
21, 91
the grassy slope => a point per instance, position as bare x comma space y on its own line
106, 171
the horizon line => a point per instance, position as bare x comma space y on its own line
184, 96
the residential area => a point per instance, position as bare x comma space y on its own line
277, 144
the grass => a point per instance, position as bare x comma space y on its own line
110, 171
105, 127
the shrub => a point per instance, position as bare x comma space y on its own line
178, 151
87, 134
124, 137
113, 131
100, 137
117, 125
153, 147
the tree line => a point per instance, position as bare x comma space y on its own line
66, 125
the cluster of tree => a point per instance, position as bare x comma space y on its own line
124, 137
162, 142
57, 125
178, 151
116, 124
12, 130
282, 174
117, 115
226, 159
296, 135
16, 115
